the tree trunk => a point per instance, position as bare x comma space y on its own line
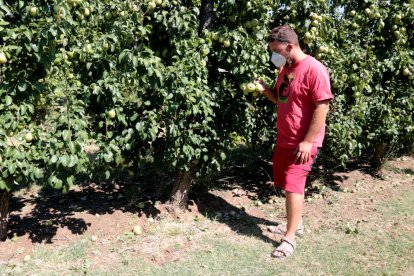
4, 213
206, 15
179, 194
379, 157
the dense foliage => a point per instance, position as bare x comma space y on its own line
92, 86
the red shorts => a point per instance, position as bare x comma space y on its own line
288, 175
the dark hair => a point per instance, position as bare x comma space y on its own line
283, 33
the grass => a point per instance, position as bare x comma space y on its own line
52, 261
378, 248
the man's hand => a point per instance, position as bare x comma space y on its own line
265, 86
303, 152
268, 92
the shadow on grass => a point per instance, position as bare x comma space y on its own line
51, 210
248, 174
252, 173
248, 169
406, 171
210, 205
330, 174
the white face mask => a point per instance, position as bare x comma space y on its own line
278, 59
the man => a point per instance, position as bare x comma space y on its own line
302, 94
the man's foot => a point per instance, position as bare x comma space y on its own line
281, 229
285, 249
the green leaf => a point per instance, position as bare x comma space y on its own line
22, 86
108, 157
72, 147
12, 168
70, 180
22, 110
122, 56
3, 185
66, 135
38, 173
139, 126
28, 34
53, 32
259, 35
65, 189
72, 161
57, 184
135, 61
51, 180
64, 160
35, 48
4, 7
53, 159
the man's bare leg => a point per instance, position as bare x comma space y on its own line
294, 208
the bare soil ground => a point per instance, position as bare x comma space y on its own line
101, 218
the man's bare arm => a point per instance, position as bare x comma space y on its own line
317, 123
318, 120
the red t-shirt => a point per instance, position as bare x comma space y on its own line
298, 88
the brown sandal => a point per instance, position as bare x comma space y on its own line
287, 247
